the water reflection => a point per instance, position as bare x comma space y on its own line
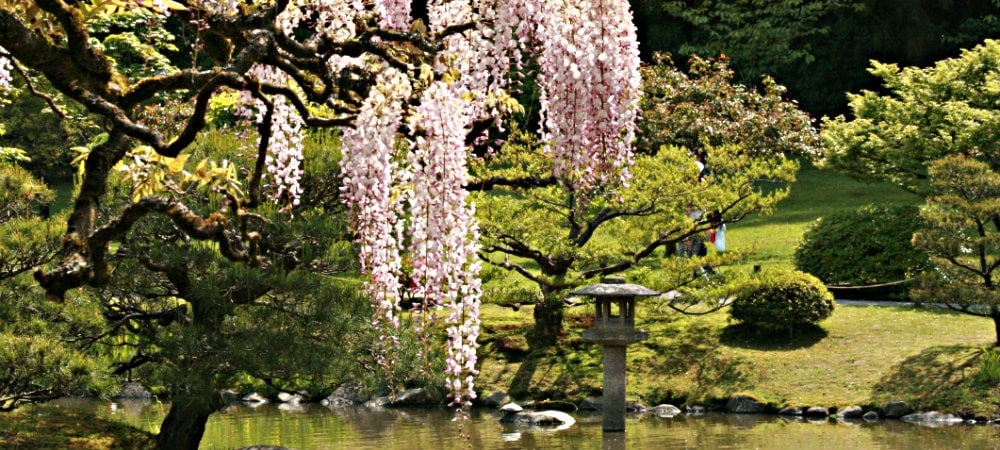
309, 426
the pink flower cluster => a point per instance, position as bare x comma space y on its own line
373, 190
284, 157
590, 84
443, 230
393, 14
6, 66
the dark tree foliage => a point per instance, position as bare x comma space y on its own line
818, 48
867, 246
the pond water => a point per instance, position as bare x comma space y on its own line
357, 428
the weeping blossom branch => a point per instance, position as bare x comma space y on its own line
373, 194
590, 89
443, 231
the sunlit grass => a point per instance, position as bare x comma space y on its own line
46, 426
770, 240
859, 356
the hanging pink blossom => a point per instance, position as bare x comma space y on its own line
373, 194
443, 232
590, 89
6, 66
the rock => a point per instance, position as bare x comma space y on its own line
931, 417
817, 411
695, 410
870, 416
516, 415
896, 409
591, 404
555, 405
665, 410
744, 404
254, 399
296, 408
496, 399
851, 412
377, 402
134, 390
415, 397
790, 411
286, 397
346, 394
230, 396
634, 407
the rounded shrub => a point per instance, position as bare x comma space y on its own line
781, 301
870, 245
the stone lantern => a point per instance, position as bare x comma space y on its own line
614, 333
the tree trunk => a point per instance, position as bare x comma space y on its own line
184, 425
996, 326
548, 322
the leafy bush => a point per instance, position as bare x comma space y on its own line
782, 300
989, 367
870, 245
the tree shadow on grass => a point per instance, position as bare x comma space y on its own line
696, 354
747, 336
934, 378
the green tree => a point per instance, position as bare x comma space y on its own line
760, 37
961, 235
559, 239
707, 106
934, 133
817, 48
540, 230
926, 114
37, 363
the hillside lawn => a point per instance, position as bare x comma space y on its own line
862, 355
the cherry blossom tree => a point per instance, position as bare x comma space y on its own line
410, 96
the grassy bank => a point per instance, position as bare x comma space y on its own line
771, 239
48, 426
860, 356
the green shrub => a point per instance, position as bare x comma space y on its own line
989, 367
781, 301
870, 245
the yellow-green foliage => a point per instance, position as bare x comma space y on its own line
542, 225
37, 368
781, 301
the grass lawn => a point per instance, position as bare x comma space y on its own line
47, 426
861, 355
771, 239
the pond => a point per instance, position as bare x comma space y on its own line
313, 426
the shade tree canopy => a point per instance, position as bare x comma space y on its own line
557, 237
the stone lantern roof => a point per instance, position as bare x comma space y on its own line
615, 287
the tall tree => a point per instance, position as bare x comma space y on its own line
926, 114
962, 237
559, 237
